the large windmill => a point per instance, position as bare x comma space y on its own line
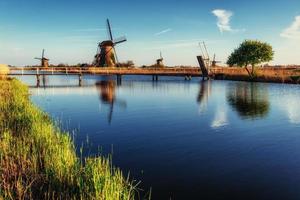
106, 54
159, 62
44, 61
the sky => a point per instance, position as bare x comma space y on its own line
70, 30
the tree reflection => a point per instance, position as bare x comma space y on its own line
250, 100
107, 95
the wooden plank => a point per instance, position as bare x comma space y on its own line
202, 66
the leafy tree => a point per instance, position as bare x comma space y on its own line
251, 52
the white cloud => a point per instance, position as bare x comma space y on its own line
223, 23
163, 32
293, 31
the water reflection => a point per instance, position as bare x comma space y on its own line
203, 95
220, 111
250, 100
107, 93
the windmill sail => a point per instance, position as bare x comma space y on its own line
109, 30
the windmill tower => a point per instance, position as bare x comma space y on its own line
44, 61
159, 62
106, 54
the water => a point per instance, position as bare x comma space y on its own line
186, 140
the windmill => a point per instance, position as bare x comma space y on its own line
44, 61
159, 62
214, 62
106, 54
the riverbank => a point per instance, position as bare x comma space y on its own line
38, 161
284, 74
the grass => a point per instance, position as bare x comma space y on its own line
38, 161
268, 74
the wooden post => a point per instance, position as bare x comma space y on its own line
80, 79
203, 67
38, 80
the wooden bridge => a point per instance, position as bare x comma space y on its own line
187, 73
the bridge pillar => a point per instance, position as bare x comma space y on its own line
38, 81
188, 78
80, 79
154, 77
119, 79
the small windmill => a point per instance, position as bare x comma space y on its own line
106, 54
159, 62
44, 61
214, 62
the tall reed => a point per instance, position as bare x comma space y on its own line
38, 161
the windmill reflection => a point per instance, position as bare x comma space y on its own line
249, 100
107, 95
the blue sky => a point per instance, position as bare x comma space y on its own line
70, 30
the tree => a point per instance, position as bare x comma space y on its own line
251, 52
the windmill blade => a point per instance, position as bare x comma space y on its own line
119, 40
110, 113
116, 57
109, 30
38, 58
43, 53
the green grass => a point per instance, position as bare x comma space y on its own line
38, 161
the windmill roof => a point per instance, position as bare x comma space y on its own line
106, 43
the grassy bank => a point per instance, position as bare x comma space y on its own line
38, 161
262, 74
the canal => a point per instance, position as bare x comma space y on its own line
185, 139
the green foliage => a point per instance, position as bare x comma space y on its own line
38, 161
251, 52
